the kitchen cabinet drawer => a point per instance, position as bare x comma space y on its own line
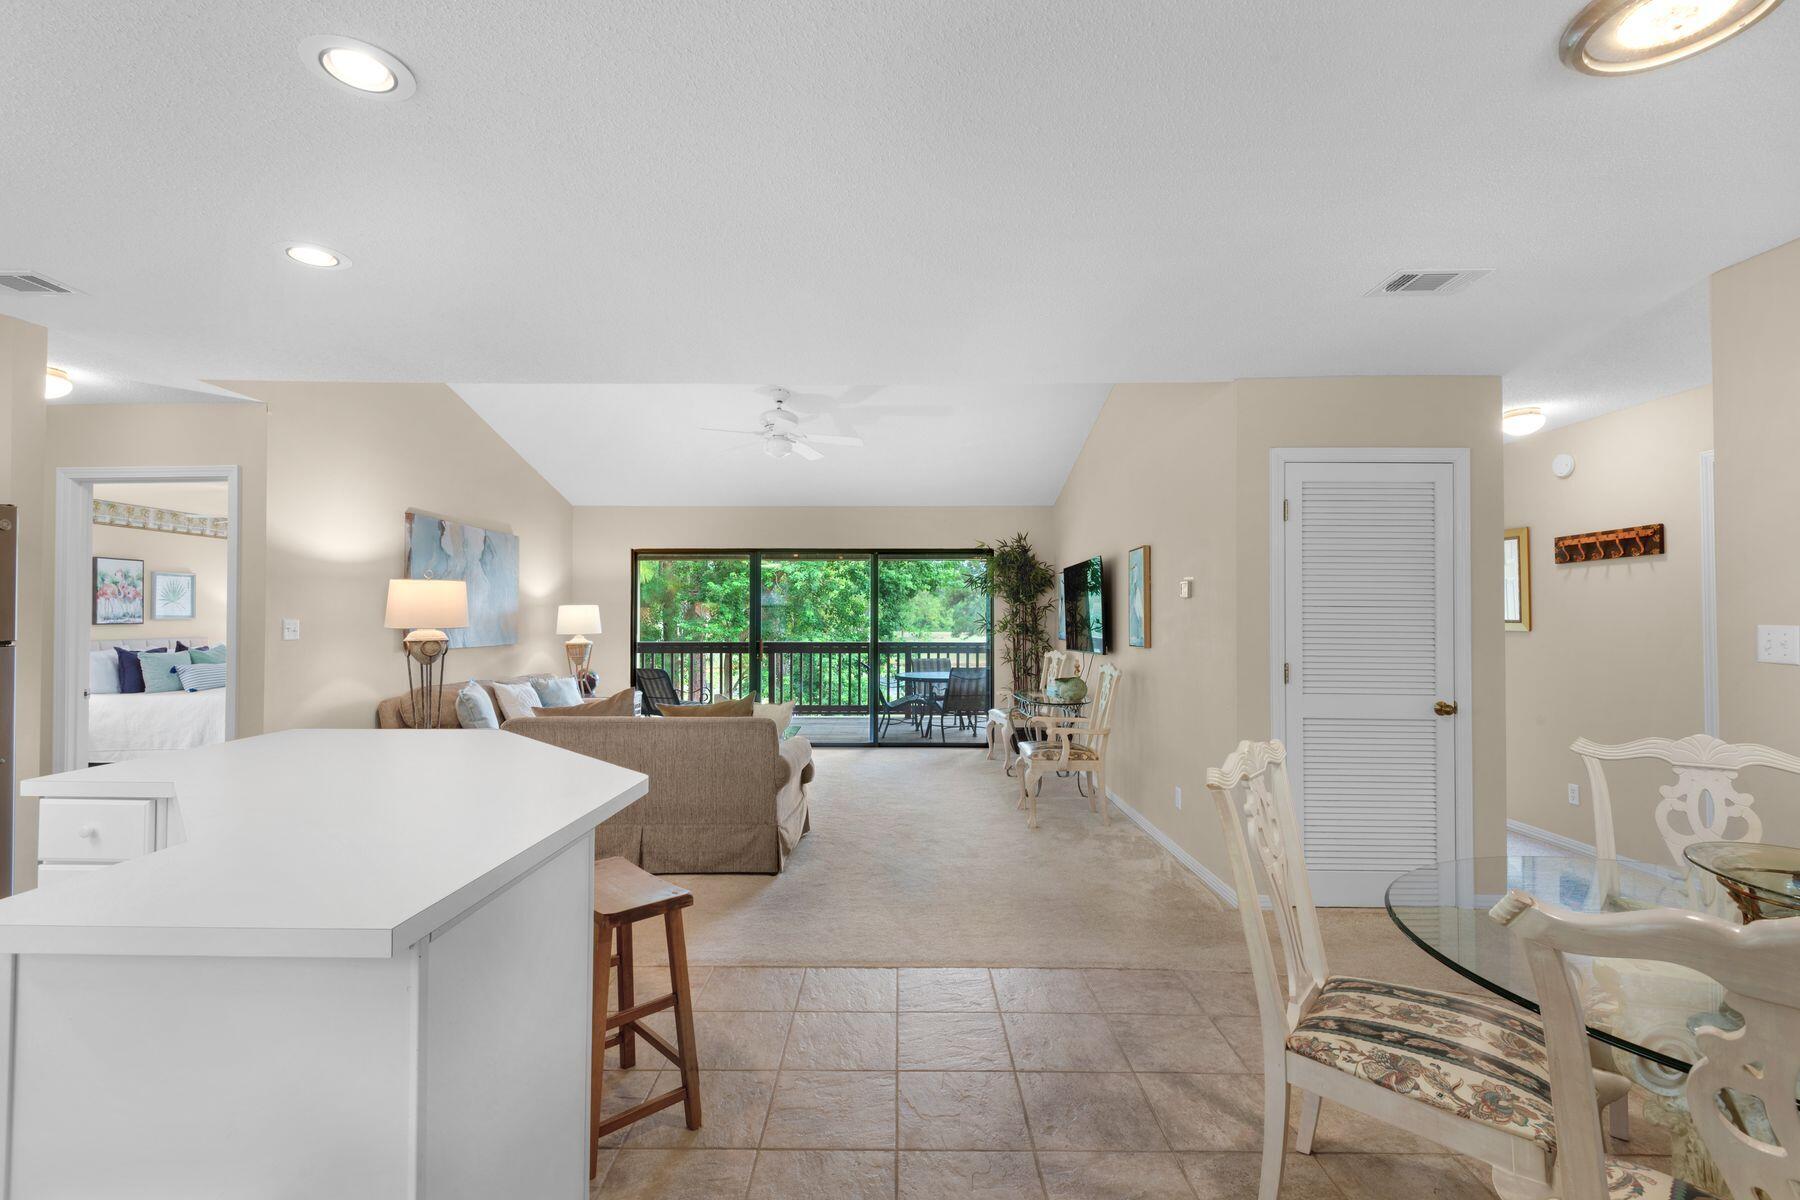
57, 874
98, 831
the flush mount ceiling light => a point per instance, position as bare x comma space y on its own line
1623, 37
1521, 422
308, 255
356, 64
57, 384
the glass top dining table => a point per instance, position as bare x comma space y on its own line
1645, 1009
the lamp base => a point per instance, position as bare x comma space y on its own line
578, 650
429, 649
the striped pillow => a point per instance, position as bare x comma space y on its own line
201, 677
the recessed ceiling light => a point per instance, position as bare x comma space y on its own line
315, 256
356, 64
1622, 37
57, 384
1521, 422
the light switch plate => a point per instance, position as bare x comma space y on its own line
1187, 587
1575, 794
1778, 644
290, 629
1178, 797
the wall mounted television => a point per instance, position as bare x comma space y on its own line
1084, 605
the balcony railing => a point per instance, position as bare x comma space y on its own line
823, 677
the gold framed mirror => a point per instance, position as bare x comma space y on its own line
1516, 573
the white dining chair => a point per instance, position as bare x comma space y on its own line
1006, 717
1702, 805
1467, 1074
1751, 1069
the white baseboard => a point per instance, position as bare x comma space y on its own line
1560, 841
1224, 890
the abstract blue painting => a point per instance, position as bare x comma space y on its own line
485, 559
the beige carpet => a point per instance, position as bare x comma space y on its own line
917, 857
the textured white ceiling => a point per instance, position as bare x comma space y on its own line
1017, 191
925, 445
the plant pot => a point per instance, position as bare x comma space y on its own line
1070, 689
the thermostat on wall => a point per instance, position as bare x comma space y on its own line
1562, 466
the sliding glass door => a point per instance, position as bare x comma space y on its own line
873, 647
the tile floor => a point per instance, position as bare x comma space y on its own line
934, 1083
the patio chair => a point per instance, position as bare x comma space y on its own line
964, 701
658, 690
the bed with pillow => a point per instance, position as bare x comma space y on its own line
153, 696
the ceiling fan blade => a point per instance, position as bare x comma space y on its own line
807, 452
745, 432
832, 439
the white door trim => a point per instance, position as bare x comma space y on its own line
1709, 596
1460, 602
74, 550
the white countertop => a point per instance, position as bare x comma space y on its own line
319, 842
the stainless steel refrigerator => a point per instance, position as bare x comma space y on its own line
9, 650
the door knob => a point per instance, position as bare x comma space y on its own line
1444, 708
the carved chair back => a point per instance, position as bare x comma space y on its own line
1702, 805
1100, 713
1262, 839
1751, 1071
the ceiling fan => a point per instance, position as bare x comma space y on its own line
781, 432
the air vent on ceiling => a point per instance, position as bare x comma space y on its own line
1426, 283
31, 283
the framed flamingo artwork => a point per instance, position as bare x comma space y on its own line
118, 591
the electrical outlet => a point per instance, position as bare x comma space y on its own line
1178, 797
1778, 644
1187, 587
1575, 794
290, 629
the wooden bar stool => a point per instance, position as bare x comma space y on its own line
625, 894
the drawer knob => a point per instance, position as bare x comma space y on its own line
87, 831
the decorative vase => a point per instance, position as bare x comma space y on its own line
1069, 689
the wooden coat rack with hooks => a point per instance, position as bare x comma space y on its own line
1637, 541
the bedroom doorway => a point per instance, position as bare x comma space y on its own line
146, 612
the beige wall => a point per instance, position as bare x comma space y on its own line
159, 550
1185, 468
1158, 469
605, 537
25, 482
1614, 652
1756, 428
345, 462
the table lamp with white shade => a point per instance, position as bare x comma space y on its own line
578, 620
425, 608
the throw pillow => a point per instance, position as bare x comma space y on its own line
718, 708
201, 677
473, 708
516, 699
103, 673
180, 645
131, 672
208, 654
159, 670
616, 705
556, 691
781, 714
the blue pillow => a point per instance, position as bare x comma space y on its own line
159, 670
201, 677
474, 708
131, 675
556, 691
103, 673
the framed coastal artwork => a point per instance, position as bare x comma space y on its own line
1515, 571
172, 595
1137, 596
485, 559
118, 591
1062, 616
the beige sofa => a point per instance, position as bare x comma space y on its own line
727, 796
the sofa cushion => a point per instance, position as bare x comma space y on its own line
1628, 1181
718, 708
1455, 1053
475, 708
619, 704
781, 714
556, 691
514, 699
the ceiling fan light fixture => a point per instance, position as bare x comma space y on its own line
778, 445
1521, 422
1624, 37
366, 69
57, 383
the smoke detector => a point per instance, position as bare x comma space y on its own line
1438, 282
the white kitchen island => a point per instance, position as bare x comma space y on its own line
361, 967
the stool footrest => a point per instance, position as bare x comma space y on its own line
638, 1112
638, 1012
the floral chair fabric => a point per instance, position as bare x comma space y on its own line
1456, 1053
1628, 1181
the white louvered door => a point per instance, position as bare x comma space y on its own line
1369, 636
